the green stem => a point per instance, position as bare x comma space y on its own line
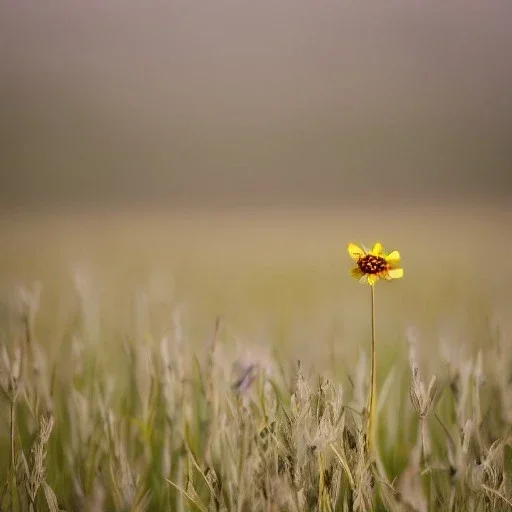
12, 434
12, 456
370, 432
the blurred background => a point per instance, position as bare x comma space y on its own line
221, 155
171, 104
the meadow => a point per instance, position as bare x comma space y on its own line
220, 361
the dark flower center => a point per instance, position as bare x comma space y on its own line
370, 264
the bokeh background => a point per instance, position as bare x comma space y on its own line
218, 156
184, 104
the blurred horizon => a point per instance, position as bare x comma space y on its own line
275, 104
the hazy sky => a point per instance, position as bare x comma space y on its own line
272, 102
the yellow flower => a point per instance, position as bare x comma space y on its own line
375, 264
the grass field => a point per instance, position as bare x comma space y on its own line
216, 361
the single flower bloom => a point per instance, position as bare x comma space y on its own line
375, 264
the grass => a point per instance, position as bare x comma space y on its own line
222, 363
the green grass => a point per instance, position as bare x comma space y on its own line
128, 394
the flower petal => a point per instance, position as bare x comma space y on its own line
395, 273
356, 272
355, 251
393, 257
377, 249
371, 279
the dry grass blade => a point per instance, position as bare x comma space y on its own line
192, 500
344, 465
51, 499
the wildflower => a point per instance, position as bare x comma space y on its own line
371, 266
375, 264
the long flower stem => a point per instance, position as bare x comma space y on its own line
370, 431
11, 450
